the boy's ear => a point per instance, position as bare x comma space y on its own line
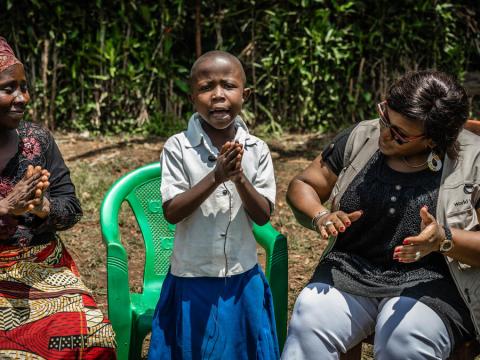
190, 97
246, 94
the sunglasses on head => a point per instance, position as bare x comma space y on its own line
396, 134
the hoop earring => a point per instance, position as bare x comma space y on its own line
434, 162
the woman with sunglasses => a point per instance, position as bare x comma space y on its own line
403, 256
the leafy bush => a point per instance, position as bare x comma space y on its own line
122, 65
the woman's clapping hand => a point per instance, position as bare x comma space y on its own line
335, 222
41, 205
428, 241
27, 194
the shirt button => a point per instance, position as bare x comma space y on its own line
391, 211
393, 199
398, 187
224, 192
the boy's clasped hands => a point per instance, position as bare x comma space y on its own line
229, 163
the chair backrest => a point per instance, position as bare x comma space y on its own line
473, 126
141, 189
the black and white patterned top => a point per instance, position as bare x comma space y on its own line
361, 261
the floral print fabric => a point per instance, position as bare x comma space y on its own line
36, 146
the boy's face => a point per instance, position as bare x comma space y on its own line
218, 91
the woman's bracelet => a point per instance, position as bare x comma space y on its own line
317, 217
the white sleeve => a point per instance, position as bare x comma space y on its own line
174, 177
264, 181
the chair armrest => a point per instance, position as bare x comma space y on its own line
275, 245
266, 239
118, 286
118, 291
276, 272
117, 260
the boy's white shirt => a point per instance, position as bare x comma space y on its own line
201, 247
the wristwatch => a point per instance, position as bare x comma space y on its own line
447, 243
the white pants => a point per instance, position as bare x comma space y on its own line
326, 321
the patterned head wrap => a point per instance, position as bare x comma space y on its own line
7, 56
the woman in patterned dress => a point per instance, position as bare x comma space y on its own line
46, 312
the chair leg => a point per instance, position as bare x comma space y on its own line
123, 345
136, 345
136, 350
143, 325
354, 353
466, 351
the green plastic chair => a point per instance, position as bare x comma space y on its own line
131, 313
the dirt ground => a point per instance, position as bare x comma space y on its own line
95, 163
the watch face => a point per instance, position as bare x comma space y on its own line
446, 245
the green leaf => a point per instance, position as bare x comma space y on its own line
182, 85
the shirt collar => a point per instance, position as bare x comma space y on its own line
196, 135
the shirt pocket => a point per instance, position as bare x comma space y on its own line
460, 209
462, 218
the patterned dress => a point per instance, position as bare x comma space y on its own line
46, 312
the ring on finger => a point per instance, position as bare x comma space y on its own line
328, 223
323, 231
417, 255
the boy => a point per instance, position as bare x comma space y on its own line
217, 180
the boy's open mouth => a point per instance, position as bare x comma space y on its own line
220, 113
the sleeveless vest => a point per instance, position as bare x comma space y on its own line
459, 191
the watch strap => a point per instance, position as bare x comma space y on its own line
448, 232
447, 244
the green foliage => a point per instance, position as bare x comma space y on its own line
115, 66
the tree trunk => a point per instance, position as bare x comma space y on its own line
198, 30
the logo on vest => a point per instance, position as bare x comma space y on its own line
463, 202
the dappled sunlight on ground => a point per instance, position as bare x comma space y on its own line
95, 163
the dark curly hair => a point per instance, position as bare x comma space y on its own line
435, 99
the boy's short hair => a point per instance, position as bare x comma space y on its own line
217, 54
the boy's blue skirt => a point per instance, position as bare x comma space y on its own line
215, 318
